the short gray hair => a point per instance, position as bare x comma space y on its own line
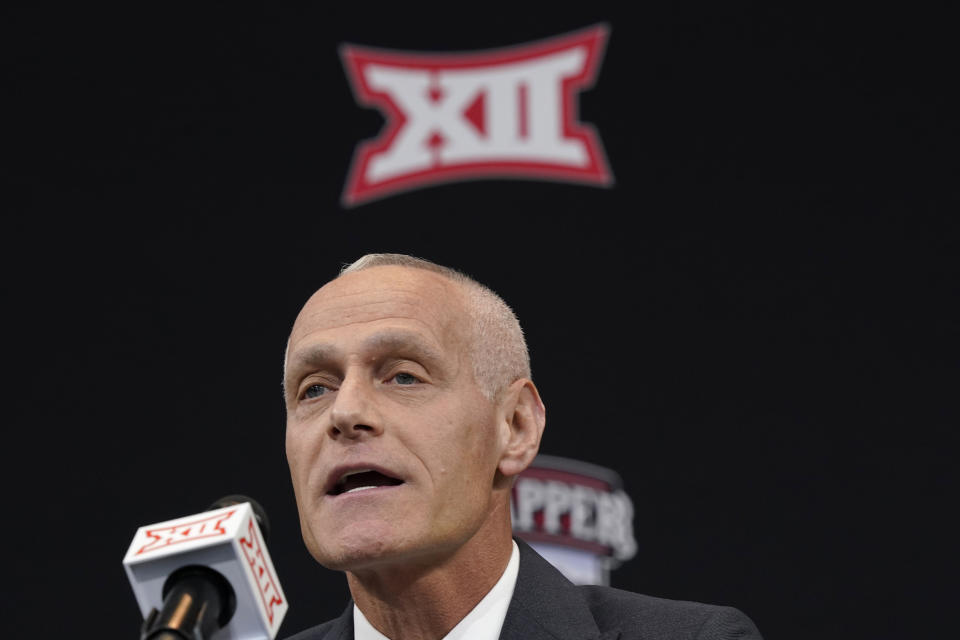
498, 348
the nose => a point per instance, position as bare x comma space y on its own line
353, 414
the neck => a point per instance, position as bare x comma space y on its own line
425, 600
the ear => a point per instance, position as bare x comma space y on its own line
522, 421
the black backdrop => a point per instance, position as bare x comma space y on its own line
756, 326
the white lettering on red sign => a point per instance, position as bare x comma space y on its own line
208, 527
506, 113
262, 576
571, 512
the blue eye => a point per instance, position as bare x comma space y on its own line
315, 391
405, 378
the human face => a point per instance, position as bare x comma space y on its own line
379, 377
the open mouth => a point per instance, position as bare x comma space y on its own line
362, 480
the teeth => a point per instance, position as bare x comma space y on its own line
353, 473
360, 489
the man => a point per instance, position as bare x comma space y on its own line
410, 412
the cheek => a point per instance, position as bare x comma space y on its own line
481, 439
471, 455
297, 450
290, 445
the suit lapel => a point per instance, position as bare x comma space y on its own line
341, 628
547, 606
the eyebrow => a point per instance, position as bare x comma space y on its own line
402, 342
305, 359
312, 355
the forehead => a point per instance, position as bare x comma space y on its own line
415, 299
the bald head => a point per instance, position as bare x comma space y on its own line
497, 348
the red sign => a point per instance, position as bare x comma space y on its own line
501, 113
573, 504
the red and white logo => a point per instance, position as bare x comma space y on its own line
501, 113
209, 527
270, 596
576, 515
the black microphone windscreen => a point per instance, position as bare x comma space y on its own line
258, 511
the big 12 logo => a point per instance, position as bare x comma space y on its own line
501, 113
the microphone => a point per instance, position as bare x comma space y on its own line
207, 573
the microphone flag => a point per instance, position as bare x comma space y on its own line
227, 540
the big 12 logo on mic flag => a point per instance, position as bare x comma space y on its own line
500, 113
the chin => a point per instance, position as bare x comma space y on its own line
350, 559
349, 550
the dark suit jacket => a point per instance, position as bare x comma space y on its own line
547, 606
